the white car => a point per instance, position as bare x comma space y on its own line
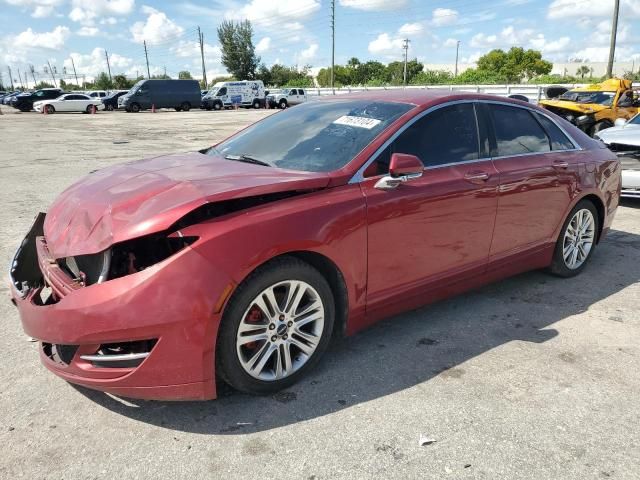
70, 102
624, 140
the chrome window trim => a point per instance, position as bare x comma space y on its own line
359, 175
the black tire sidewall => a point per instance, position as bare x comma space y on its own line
282, 104
185, 107
558, 266
228, 364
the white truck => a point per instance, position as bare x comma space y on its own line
246, 93
286, 97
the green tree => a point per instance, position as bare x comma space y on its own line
102, 82
395, 71
41, 84
120, 82
224, 78
512, 66
432, 77
583, 70
238, 52
185, 75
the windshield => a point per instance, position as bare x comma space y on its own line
635, 120
601, 98
314, 136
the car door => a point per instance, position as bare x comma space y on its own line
303, 97
538, 171
436, 228
64, 104
293, 97
77, 103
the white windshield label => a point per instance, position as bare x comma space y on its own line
360, 122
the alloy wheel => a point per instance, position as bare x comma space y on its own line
280, 330
578, 239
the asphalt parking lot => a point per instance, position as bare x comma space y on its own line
531, 378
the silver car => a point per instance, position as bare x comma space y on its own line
624, 140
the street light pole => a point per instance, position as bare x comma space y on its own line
405, 46
614, 32
457, 52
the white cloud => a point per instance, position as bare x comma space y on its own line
563, 9
109, 21
157, 27
385, 45
539, 42
373, 5
40, 8
88, 31
53, 40
444, 16
86, 11
95, 62
450, 43
480, 40
274, 13
411, 29
601, 54
263, 45
310, 52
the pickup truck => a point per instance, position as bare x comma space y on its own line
286, 97
596, 107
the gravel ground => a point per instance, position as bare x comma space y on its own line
530, 378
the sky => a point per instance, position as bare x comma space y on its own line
298, 32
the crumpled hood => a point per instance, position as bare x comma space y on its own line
574, 106
134, 199
628, 134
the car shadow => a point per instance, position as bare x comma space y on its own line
407, 350
630, 202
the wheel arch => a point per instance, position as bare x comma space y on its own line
597, 202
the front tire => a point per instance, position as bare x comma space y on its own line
217, 106
256, 104
135, 108
276, 327
185, 107
50, 109
282, 104
577, 240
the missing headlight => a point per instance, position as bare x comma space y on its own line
138, 254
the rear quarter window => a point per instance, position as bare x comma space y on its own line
559, 141
517, 131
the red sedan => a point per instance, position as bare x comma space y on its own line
153, 278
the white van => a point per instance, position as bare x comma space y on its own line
247, 93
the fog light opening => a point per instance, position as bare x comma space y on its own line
121, 355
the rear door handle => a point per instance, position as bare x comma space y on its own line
561, 164
476, 177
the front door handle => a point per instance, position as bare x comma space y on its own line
476, 177
561, 164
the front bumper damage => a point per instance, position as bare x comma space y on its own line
147, 335
629, 156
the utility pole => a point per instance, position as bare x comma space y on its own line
614, 32
73, 64
20, 77
146, 55
405, 46
10, 78
204, 70
33, 74
108, 66
333, 43
51, 72
455, 75
165, 71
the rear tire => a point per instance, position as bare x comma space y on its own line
135, 107
283, 276
256, 104
185, 107
109, 108
50, 109
89, 109
578, 237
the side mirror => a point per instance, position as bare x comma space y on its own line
402, 168
619, 122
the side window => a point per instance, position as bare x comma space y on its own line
447, 135
293, 92
517, 132
300, 92
222, 92
626, 99
559, 140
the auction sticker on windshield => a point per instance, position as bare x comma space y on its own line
360, 122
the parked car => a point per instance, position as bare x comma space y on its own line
179, 94
596, 107
24, 101
6, 100
286, 97
247, 93
70, 102
153, 278
624, 141
96, 93
111, 101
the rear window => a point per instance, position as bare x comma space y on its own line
314, 136
559, 141
517, 132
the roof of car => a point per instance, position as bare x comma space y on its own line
414, 96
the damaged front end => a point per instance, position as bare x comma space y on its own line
585, 121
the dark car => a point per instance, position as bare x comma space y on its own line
240, 262
179, 94
6, 100
110, 102
24, 102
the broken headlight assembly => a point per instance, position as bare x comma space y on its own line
125, 258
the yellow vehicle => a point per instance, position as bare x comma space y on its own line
596, 107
